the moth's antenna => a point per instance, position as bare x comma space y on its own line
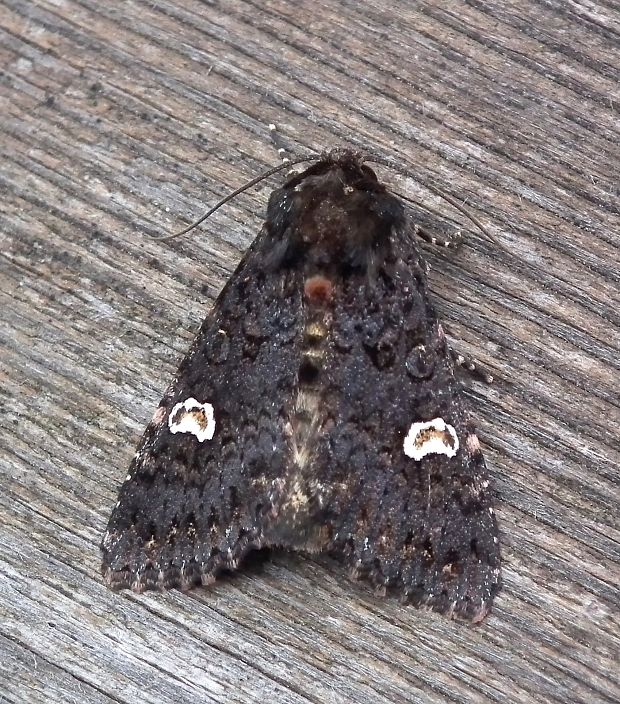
438, 192
459, 206
230, 196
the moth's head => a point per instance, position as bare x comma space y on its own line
338, 173
336, 208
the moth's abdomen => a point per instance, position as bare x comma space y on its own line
307, 413
299, 499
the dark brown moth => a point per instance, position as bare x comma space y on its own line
317, 410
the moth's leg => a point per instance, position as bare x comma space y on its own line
450, 241
278, 143
471, 366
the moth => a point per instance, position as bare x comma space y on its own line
317, 410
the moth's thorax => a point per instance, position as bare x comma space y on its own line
335, 211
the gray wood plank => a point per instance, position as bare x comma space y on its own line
123, 120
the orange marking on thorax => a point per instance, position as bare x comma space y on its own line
318, 290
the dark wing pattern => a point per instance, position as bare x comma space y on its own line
317, 410
411, 509
198, 488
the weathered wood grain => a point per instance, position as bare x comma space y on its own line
119, 120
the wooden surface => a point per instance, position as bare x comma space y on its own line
126, 119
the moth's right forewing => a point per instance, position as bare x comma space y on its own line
410, 506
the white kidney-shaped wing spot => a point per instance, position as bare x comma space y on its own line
193, 417
432, 437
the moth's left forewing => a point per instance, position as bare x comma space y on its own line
198, 492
